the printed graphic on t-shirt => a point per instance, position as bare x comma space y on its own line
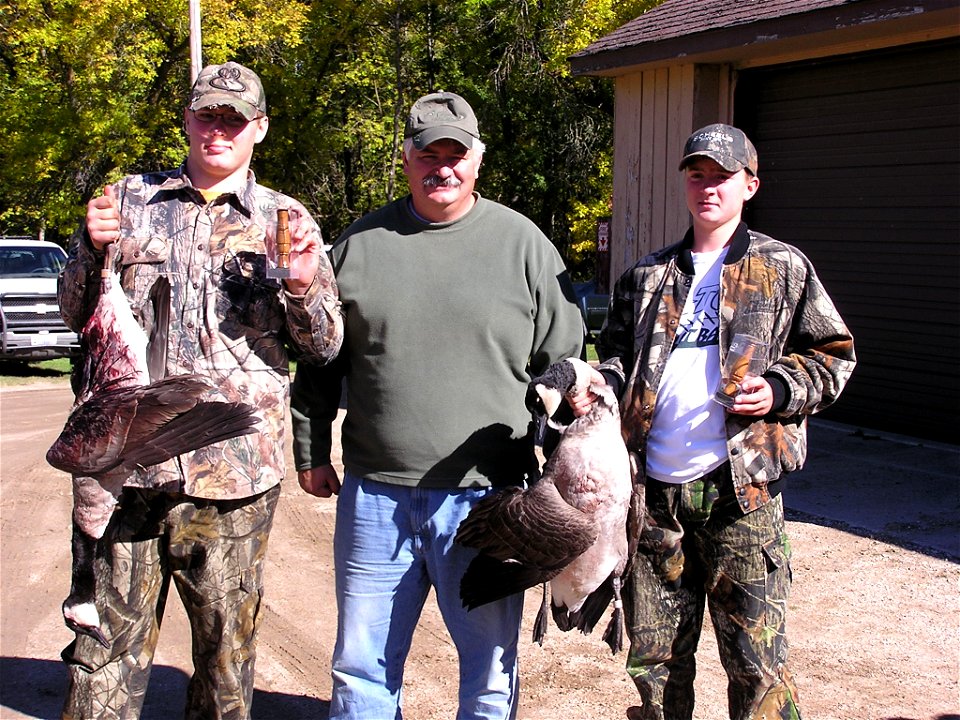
700, 327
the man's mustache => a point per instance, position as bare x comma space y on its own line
435, 181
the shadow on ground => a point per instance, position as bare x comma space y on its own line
36, 688
40, 371
895, 489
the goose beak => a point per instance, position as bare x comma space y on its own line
550, 397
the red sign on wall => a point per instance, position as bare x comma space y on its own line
603, 256
603, 236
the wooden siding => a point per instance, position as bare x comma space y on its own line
860, 169
655, 111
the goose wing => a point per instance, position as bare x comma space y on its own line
525, 537
145, 425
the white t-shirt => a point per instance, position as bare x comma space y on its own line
687, 438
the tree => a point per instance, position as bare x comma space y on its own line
549, 135
96, 91
93, 89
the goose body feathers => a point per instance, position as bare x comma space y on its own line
568, 529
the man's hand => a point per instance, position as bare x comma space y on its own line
582, 401
305, 248
755, 397
103, 219
321, 481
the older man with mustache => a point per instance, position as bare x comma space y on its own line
452, 303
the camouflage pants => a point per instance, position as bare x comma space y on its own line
697, 548
214, 552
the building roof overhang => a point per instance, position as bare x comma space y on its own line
762, 32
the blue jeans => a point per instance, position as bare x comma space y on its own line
391, 544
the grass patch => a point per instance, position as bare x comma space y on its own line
19, 372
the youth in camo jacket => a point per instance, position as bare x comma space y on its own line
768, 289
200, 522
720, 536
234, 321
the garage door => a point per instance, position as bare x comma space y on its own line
860, 169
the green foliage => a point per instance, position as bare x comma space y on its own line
94, 89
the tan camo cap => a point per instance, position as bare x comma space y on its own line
232, 85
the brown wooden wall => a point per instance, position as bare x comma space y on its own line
655, 112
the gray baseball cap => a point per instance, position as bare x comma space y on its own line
230, 84
441, 115
728, 146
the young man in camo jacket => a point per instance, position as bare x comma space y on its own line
203, 518
707, 514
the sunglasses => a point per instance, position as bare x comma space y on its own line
229, 119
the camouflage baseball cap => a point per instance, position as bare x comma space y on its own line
441, 115
726, 145
229, 84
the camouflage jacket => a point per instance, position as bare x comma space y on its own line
767, 289
228, 321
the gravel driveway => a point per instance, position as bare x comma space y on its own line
873, 625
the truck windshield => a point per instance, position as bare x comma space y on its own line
30, 261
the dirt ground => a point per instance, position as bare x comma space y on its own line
873, 626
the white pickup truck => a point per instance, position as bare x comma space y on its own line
29, 314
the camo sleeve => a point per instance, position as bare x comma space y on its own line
314, 320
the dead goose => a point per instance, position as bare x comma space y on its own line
570, 528
121, 422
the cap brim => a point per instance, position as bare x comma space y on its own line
250, 112
442, 132
725, 161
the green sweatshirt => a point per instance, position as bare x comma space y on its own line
445, 326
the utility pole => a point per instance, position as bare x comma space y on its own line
196, 52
